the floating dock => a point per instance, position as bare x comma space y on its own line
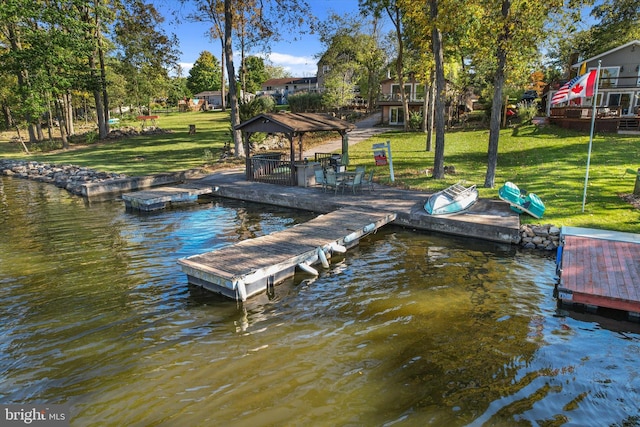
159, 198
599, 268
252, 266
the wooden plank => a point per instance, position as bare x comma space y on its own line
602, 270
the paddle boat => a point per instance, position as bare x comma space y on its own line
521, 201
454, 199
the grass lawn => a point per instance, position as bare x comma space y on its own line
550, 162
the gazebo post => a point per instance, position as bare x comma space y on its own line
345, 148
248, 173
300, 146
292, 157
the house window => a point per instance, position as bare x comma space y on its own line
622, 100
396, 116
609, 76
395, 91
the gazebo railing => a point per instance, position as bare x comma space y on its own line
272, 168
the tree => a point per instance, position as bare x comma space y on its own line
260, 19
145, 52
276, 72
352, 58
205, 74
255, 74
515, 29
395, 12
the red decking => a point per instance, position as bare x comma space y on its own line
600, 268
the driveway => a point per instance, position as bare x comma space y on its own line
365, 128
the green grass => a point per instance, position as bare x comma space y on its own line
550, 162
146, 154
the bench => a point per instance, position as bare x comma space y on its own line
145, 118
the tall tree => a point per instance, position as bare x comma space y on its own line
395, 12
261, 20
255, 74
145, 51
353, 56
515, 29
205, 73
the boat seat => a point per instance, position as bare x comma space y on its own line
455, 190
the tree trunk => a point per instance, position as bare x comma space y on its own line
429, 115
223, 95
97, 96
496, 107
68, 113
439, 104
8, 119
59, 104
103, 83
233, 92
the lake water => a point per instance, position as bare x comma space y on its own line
408, 329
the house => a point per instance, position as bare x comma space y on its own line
280, 89
390, 101
618, 95
210, 99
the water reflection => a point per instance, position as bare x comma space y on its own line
406, 329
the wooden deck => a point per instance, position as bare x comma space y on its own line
599, 268
160, 197
251, 266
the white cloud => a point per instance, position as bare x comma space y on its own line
298, 66
185, 68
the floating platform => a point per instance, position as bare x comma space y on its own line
159, 198
252, 266
599, 268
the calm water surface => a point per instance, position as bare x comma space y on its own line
407, 329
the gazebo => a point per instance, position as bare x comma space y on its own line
278, 168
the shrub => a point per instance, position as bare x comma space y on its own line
259, 105
305, 102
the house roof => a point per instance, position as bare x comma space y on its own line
610, 51
294, 123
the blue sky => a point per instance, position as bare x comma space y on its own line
297, 57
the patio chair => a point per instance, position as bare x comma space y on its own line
367, 182
320, 179
355, 183
331, 180
360, 169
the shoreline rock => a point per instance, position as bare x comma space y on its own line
69, 177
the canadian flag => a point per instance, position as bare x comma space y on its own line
578, 87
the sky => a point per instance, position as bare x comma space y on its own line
297, 57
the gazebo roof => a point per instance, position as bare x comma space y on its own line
294, 123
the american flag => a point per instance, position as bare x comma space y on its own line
579, 86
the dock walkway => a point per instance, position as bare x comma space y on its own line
250, 266
599, 268
159, 197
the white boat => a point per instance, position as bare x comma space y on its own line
451, 200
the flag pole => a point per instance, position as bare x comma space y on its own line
593, 122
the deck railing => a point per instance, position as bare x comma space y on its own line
272, 168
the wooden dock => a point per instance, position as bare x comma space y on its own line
599, 268
158, 198
252, 266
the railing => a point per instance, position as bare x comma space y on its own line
395, 97
272, 168
584, 112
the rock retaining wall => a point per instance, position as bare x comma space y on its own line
69, 177
546, 237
